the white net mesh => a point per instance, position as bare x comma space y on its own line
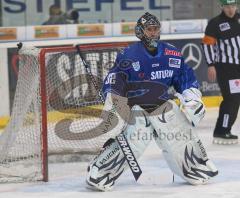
18, 141
73, 110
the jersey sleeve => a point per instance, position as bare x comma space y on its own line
185, 78
208, 42
116, 79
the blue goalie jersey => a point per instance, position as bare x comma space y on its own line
145, 79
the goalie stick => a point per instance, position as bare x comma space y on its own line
121, 139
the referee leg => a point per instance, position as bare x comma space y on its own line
228, 110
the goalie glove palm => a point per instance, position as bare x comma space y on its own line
192, 105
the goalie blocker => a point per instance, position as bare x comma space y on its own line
185, 153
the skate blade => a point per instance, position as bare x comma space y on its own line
223, 141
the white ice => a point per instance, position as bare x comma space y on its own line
68, 179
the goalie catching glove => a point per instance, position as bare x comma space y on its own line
192, 105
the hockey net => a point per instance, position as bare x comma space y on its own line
56, 109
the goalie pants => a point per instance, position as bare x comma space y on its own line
228, 110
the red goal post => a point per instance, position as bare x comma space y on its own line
55, 110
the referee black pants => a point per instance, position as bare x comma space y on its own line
228, 110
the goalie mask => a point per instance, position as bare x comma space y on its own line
147, 24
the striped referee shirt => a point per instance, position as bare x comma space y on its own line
221, 43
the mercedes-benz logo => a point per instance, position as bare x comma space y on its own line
192, 54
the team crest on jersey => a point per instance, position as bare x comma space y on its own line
224, 26
136, 66
174, 62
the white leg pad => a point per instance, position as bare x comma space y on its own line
182, 148
110, 163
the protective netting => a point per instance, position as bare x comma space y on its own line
73, 109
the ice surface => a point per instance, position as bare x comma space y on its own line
68, 179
